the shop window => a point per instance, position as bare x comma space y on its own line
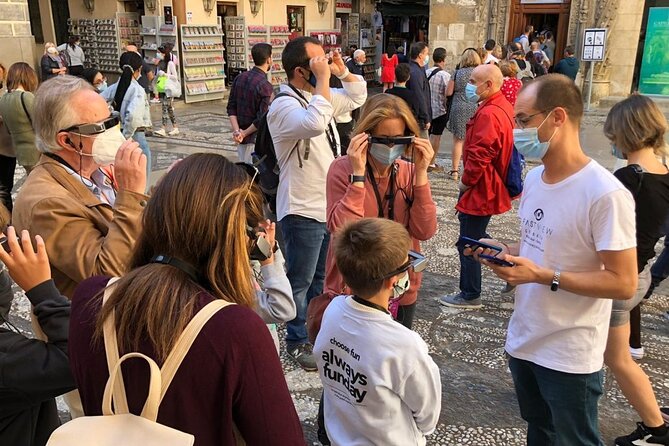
295, 20
35, 21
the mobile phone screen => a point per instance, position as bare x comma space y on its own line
473, 243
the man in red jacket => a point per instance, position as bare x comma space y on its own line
486, 157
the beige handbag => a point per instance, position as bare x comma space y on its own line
118, 426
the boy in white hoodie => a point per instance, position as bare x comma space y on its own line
380, 384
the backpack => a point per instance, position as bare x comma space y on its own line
435, 71
514, 173
118, 426
264, 158
516, 39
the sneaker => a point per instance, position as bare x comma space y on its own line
160, 132
457, 301
155, 101
637, 353
508, 291
665, 413
303, 354
642, 437
173, 132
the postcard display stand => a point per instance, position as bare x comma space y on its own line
155, 32
330, 39
103, 39
240, 38
203, 62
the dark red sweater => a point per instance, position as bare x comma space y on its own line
232, 372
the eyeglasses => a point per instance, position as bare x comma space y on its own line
96, 127
524, 121
416, 261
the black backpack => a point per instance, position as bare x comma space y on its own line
264, 158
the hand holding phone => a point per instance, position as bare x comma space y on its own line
474, 244
495, 260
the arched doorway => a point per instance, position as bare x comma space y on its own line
542, 14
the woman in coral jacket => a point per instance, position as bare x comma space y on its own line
373, 181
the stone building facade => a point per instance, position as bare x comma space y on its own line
458, 24
16, 40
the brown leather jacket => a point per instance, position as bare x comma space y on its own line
84, 236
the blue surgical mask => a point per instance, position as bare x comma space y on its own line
102, 87
470, 93
527, 141
386, 155
426, 60
615, 151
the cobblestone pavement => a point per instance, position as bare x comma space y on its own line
479, 405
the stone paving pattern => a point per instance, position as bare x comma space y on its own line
478, 401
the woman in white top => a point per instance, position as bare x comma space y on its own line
167, 70
75, 55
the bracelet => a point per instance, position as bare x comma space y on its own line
344, 75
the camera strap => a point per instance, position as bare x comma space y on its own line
329, 131
390, 193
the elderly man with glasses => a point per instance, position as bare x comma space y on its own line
85, 197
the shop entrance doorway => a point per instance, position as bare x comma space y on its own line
223, 10
60, 11
552, 17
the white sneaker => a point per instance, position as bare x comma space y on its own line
160, 132
637, 353
173, 132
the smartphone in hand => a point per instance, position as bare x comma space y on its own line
473, 244
495, 260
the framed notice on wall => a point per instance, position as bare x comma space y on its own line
594, 44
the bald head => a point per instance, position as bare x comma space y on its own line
489, 73
534, 46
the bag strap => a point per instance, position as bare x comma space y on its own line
435, 71
639, 172
25, 109
111, 351
185, 341
150, 410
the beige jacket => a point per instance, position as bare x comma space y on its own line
84, 237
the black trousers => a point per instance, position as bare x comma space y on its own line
75, 70
345, 129
7, 168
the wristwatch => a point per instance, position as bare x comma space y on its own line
356, 178
555, 284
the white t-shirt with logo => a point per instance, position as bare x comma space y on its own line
563, 226
381, 387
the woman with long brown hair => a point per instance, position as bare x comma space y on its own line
194, 248
373, 181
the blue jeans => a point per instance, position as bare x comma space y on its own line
472, 226
560, 408
140, 138
306, 242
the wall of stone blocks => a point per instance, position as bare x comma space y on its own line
16, 41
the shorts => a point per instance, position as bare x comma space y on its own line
620, 313
438, 125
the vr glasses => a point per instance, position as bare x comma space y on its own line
95, 128
416, 261
406, 140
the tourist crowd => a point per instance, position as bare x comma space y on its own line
193, 275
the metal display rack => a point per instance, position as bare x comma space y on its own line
203, 62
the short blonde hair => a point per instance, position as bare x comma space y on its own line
48, 45
385, 106
636, 123
509, 69
470, 58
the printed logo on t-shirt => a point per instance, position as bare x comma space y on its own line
338, 371
535, 232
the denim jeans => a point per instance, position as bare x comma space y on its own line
472, 226
306, 242
560, 408
140, 138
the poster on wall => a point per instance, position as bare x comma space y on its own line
594, 43
654, 76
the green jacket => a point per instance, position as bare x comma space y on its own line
18, 120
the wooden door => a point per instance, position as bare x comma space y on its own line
523, 14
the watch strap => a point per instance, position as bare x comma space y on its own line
356, 178
555, 284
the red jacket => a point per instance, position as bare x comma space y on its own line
486, 156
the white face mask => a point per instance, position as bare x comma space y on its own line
106, 145
402, 286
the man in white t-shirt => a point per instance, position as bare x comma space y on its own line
576, 253
489, 47
306, 142
380, 385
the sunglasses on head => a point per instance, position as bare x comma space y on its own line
96, 127
416, 261
391, 141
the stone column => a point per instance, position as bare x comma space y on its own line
16, 40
